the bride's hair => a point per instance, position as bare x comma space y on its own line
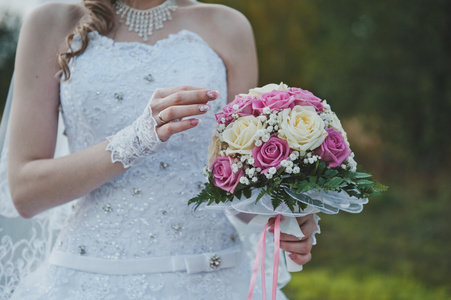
101, 19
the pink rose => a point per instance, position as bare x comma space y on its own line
243, 108
271, 153
223, 176
306, 98
275, 100
334, 149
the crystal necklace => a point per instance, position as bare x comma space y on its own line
144, 22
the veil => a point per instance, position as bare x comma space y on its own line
24, 243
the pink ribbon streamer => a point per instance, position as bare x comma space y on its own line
275, 267
261, 253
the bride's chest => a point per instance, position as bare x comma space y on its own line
112, 82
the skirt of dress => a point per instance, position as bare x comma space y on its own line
51, 282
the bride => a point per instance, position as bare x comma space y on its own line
138, 106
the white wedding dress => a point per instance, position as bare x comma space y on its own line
142, 214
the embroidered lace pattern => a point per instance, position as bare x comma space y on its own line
135, 142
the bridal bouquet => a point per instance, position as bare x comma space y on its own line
287, 144
280, 151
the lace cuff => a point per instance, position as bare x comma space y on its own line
133, 143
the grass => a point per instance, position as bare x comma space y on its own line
322, 284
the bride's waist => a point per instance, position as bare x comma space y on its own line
168, 230
192, 263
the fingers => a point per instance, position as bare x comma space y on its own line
298, 247
165, 131
286, 237
163, 93
180, 102
271, 221
182, 111
300, 251
307, 218
308, 225
300, 259
191, 97
184, 95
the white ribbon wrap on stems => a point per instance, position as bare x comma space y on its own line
317, 201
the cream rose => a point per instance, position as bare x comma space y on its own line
240, 135
336, 124
213, 150
302, 128
258, 92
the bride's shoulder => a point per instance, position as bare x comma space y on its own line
220, 17
52, 22
223, 27
218, 10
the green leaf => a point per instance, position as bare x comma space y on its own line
247, 193
364, 181
276, 201
330, 173
260, 195
359, 175
335, 182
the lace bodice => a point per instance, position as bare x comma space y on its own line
144, 211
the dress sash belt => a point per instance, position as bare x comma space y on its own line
205, 262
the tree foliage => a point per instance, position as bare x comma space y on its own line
386, 62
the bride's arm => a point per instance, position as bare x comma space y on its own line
37, 181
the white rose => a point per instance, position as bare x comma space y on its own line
302, 128
240, 135
336, 124
258, 92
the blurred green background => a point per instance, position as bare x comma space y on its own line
385, 67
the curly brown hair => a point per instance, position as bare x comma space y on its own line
101, 19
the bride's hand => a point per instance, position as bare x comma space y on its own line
177, 103
299, 249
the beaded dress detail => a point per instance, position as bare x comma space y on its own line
142, 213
